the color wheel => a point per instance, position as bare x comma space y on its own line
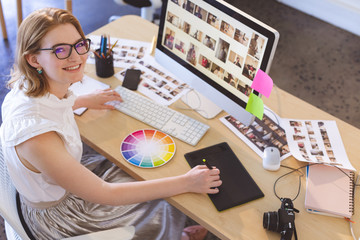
148, 148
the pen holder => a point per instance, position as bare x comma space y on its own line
104, 66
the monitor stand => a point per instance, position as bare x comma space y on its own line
201, 104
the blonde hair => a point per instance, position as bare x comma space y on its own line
30, 33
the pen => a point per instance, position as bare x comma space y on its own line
108, 43
102, 45
207, 164
105, 46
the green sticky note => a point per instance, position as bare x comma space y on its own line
255, 106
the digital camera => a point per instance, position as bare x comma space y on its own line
282, 221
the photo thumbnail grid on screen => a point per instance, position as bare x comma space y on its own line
216, 44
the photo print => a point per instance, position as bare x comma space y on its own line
173, 19
256, 46
250, 67
156, 82
213, 21
230, 79
180, 45
209, 42
244, 88
125, 52
217, 70
236, 59
200, 13
204, 61
188, 6
196, 33
296, 123
192, 54
241, 37
227, 29
259, 134
316, 141
169, 38
186, 27
222, 50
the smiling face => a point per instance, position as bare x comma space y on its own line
60, 74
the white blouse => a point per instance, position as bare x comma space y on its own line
26, 117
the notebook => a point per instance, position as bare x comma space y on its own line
330, 191
237, 187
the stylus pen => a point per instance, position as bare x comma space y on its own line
207, 164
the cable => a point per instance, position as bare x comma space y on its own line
350, 222
193, 108
355, 184
272, 112
278, 104
293, 170
187, 102
297, 169
278, 98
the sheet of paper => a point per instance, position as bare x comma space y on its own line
262, 83
316, 141
255, 106
126, 52
157, 83
260, 134
86, 86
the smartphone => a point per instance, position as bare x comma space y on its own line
131, 79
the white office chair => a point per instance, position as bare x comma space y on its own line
14, 229
147, 8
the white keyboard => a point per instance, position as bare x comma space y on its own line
160, 117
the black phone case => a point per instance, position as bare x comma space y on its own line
238, 186
131, 79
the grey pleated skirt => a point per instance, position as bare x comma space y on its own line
72, 216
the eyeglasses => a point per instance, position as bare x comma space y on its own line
63, 51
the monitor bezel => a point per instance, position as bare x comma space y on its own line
233, 12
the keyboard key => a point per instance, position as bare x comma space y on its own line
160, 117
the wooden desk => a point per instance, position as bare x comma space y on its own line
104, 131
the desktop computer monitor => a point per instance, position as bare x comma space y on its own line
215, 48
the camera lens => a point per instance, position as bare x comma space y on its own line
271, 221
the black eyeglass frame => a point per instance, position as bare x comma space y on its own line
88, 40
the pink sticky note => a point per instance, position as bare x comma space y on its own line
262, 83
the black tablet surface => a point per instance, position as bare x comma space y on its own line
238, 186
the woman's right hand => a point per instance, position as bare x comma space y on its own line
203, 180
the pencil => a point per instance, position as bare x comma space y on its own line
109, 45
113, 46
102, 44
96, 54
153, 45
207, 164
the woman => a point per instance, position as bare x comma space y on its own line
61, 194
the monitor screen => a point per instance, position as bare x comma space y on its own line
216, 48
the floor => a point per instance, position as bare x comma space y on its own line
314, 61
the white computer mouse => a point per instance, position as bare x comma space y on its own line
271, 159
